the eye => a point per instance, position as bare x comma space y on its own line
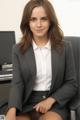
44, 18
33, 19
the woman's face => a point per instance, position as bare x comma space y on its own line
39, 22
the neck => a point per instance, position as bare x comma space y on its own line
41, 41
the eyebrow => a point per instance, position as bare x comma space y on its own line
44, 17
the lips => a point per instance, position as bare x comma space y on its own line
40, 30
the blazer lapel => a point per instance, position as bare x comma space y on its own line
54, 62
31, 61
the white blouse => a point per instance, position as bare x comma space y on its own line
43, 64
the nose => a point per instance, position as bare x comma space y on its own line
38, 23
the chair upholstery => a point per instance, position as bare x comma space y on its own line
75, 102
78, 108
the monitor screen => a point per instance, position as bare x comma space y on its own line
7, 39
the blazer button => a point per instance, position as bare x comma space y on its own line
43, 96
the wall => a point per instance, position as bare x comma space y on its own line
10, 15
69, 16
67, 12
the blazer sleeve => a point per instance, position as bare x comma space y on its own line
17, 86
69, 87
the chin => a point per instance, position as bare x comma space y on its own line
40, 35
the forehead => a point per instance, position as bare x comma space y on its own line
38, 11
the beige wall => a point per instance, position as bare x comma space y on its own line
67, 12
10, 15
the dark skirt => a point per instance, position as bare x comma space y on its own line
38, 96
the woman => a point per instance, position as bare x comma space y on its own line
43, 67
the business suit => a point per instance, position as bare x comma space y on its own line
63, 85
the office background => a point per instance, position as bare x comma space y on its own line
68, 15
67, 12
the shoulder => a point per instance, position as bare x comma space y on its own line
67, 44
16, 49
68, 50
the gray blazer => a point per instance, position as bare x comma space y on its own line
63, 85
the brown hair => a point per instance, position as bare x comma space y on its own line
55, 33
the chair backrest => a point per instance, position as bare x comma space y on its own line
75, 41
79, 69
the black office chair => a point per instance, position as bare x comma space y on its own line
78, 108
75, 102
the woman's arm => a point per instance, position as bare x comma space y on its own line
16, 92
69, 86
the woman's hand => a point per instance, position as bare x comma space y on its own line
44, 105
11, 114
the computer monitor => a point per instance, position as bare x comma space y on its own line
7, 39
